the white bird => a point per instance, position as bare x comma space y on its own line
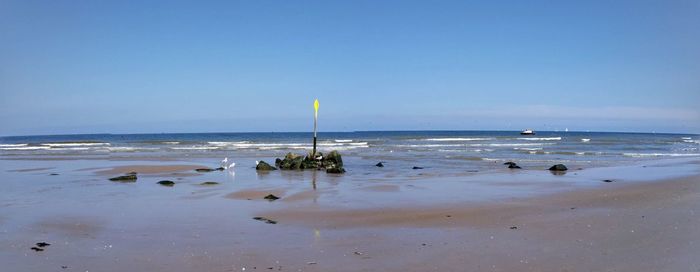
256, 163
224, 162
232, 165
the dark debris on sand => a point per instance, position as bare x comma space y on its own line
271, 197
167, 183
266, 220
129, 177
209, 169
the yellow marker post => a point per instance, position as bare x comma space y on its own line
313, 154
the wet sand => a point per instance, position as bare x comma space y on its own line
149, 169
330, 223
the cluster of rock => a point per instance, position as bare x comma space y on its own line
332, 163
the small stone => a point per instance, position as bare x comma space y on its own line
379, 164
509, 163
514, 166
42, 244
271, 197
167, 183
558, 167
209, 183
53, 174
513, 227
608, 180
37, 249
204, 170
417, 167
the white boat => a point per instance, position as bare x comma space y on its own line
527, 132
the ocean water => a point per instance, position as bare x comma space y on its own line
460, 150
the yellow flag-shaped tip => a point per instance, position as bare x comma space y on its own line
316, 105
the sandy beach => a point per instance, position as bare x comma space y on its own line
644, 220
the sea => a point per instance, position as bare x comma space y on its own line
439, 150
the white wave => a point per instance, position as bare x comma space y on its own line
528, 148
692, 141
227, 143
69, 148
686, 138
74, 144
195, 148
659, 155
508, 145
130, 148
585, 140
580, 153
12, 145
458, 139
541, 139
430, 145
171, 143
342, 141
26, 148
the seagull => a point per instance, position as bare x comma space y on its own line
224, 162
232, 165
256, 163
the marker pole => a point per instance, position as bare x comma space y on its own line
313, 154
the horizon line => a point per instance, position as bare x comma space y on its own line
353, 131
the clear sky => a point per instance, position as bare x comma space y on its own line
228, 66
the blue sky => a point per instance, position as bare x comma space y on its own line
194, 66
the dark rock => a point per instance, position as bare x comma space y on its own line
131, 177
514, 166
37, 249
266, 220
416, 168
509, 163
310, 164
209, 183
263, 166
290, 162
278, 162
379, 164
558, 167
333, 160
53, 174
336, 170
513, 227
42, 244
219, 169
271, 197
608, 180
166, 183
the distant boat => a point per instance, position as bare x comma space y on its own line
527, 132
